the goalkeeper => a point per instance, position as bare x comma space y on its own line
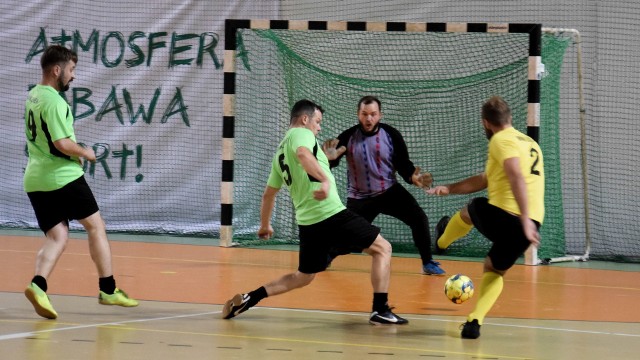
375, 152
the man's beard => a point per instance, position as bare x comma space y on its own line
374, 129
488, 133
62, 86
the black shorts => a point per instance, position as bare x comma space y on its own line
344, 232
73, 201
503, 229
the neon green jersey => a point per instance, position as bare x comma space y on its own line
510, 143
47, 119
286, 169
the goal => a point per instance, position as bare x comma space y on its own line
432, 79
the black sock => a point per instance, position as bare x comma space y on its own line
380, 302
40, 281
256, 295
107, 285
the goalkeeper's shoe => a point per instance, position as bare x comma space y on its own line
118, 297
40, 301
432, 268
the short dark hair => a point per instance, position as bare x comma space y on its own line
368, 100
304, 107
496, 111
56, 54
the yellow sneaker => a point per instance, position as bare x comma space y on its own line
40, 301
118, 297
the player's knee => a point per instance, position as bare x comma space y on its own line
93, 222
305, 279
381, 247
488, 267
464, 215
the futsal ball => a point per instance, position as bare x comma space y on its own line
458, 288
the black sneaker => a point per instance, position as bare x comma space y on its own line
386, 318
237, 305
440, 226
470, 330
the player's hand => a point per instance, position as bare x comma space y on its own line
265, 232
89, 154
530, 231
424, 180
330, 150
438, 190
415, 177
323, 192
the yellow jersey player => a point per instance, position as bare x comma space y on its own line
511, 215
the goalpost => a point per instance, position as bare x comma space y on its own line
432, 79
577, 40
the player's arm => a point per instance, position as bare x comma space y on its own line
467, 186
73, 149
410, 173
400, 158
312, 167
266, 209
61, 132
519, 190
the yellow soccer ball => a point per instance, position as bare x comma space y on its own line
458, 288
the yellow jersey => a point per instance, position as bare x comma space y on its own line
510, 143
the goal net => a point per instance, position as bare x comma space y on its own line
432, 83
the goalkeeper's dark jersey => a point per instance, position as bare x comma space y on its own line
373, 159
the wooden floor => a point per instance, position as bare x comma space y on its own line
545, 312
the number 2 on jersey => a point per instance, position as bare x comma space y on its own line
534, 154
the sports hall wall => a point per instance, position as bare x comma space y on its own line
148, 91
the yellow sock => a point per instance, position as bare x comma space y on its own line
490, 290
456, 228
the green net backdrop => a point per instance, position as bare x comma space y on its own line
432, 86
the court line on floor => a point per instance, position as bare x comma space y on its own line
32, 333
288, 340
535, 327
